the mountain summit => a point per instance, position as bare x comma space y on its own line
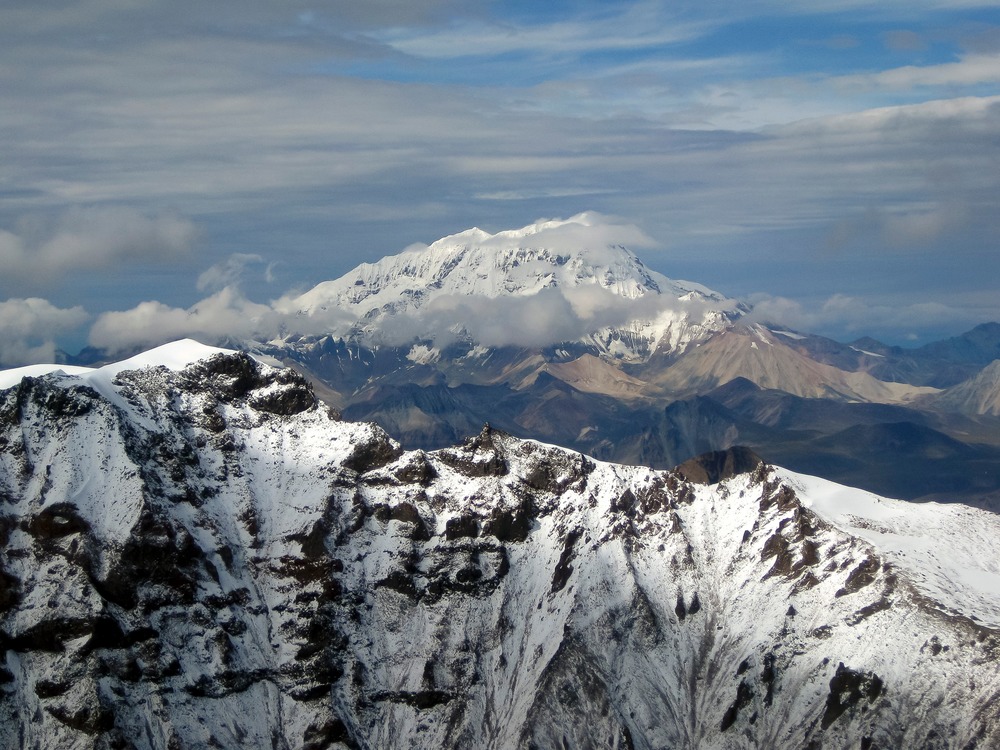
552, 282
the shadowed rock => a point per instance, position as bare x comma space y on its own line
717, 466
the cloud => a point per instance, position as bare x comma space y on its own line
28, 328
229, 272
590, 231
550, 316
970, 70
904, 40
907, 230
854, 316
341, 131
631, 26
225, 315
553, 315
90, 239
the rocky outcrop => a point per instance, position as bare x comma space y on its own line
209, 558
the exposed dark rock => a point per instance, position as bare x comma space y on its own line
563, 568
57, 520
407, 513
511, 525
695, 606
767, 676
10, 589
329, 734
714, 467
293, 399
399, 581
90, 719
50, 689
48, 635
479, 456
419, 699
374, 454
743, 697
847, 689
107, 633
461, 526
157, 552
863, 575
417, 471
879, 605
229, 377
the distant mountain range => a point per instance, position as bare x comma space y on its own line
551, 332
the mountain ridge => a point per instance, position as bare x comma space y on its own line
206, 555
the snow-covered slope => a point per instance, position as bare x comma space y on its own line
205, 557
564, 277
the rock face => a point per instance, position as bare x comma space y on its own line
206, 557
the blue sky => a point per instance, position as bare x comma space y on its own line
837, 164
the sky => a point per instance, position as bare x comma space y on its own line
835, 163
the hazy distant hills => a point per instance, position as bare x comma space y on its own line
939, 364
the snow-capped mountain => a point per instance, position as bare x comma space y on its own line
198, 553
548, 283
558, 332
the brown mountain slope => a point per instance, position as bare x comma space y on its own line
979, 395
754, 353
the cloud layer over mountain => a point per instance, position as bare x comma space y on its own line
857, 156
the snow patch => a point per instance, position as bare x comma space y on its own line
870, 354
789, 334
950, 551
422, 354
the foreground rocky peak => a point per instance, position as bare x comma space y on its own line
206, 556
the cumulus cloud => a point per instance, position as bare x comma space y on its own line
552, 316
90, 239
29, 326
225, 315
